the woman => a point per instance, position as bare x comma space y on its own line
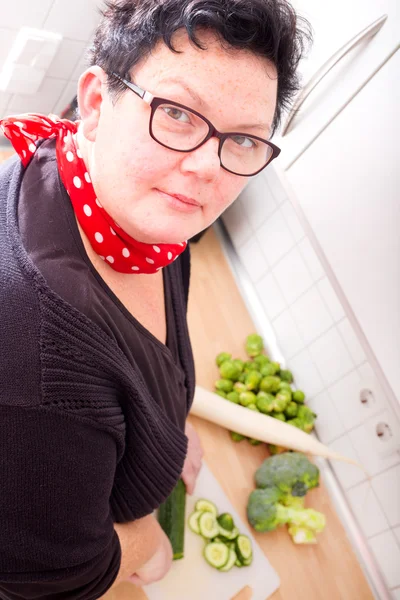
96, 371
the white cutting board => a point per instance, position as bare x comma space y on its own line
191, 578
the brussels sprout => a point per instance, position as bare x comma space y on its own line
267, 370
250, 365
239, 387
298, 396
233, 397
284, 385
229, 370
246, 398
239, 363
254, 442
279, 415
254, 345
273, 449
286, 375
252, 380
296, 422
291, 410
261, 360
265, 402
221, 393
282, 399
253, 407
237, 437
222, 357
224, 385
270, 384
242, 377
307, 416
277, 366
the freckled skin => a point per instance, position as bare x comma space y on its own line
126, 164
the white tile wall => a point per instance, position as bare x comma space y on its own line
367, 509
291, 274
66, 59
253, 259
328, 359
7, 37
387, 554
19, 13
76, 20
43, 101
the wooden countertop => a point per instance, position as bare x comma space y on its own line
219, 321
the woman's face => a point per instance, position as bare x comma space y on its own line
236, 92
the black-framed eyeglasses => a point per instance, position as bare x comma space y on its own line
178, 127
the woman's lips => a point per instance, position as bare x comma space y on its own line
179, 202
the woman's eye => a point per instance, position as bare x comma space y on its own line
244, 142
177, 114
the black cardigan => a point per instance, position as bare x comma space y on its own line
82, 442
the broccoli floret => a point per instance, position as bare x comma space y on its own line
266, 513
302, 535
291, 472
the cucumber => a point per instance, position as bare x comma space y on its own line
171, 516
208, 525
206, 506
216, 554
194, 521
247, 563
226, 521
244, 549
238, 563
231, 561
228, 535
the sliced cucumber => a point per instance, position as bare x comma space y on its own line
243, 548
216, 554
208, 525
226, 521
231, 561
229, 535
238, 563
247, 563
206, 506
194, 521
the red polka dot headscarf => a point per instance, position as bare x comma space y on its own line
108, 239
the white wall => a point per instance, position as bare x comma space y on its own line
328, 359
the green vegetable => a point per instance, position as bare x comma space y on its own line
194, 521
220, 393
278, 415
265, 402
229, 370
253, 407
290, 410
277, 366
296, 423
266, 513
246, 398
302, 535
208, 525
253, 380
206, 506
243, 548
239, 363
226, 521
254, 442
239, 387
228, 535
270, 384
286, 375
216, 554
231, 561
224, 385
234, 397
282, 399
237, 437
284, 385
307, 416
290, 472
261, 360
268, 369
273, 449
250, 365
222, 357
171, 516
254, 345
242, 377
298, 396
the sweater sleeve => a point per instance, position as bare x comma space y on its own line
57, 535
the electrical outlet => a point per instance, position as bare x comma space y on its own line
383, 432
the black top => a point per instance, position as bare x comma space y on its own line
92, 405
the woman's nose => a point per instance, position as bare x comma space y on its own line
204, 161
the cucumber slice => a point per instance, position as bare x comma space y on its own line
206, 506
194, 521
243, 548
229, 535
231, 561
226, 521
216, 554
208, 525
247, 563
238, 563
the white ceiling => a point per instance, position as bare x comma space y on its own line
75, 20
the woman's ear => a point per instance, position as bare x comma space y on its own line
91, 95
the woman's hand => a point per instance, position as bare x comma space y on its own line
157, 567
193, 461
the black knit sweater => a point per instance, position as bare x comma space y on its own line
83, 443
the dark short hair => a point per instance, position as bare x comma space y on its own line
130, 29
